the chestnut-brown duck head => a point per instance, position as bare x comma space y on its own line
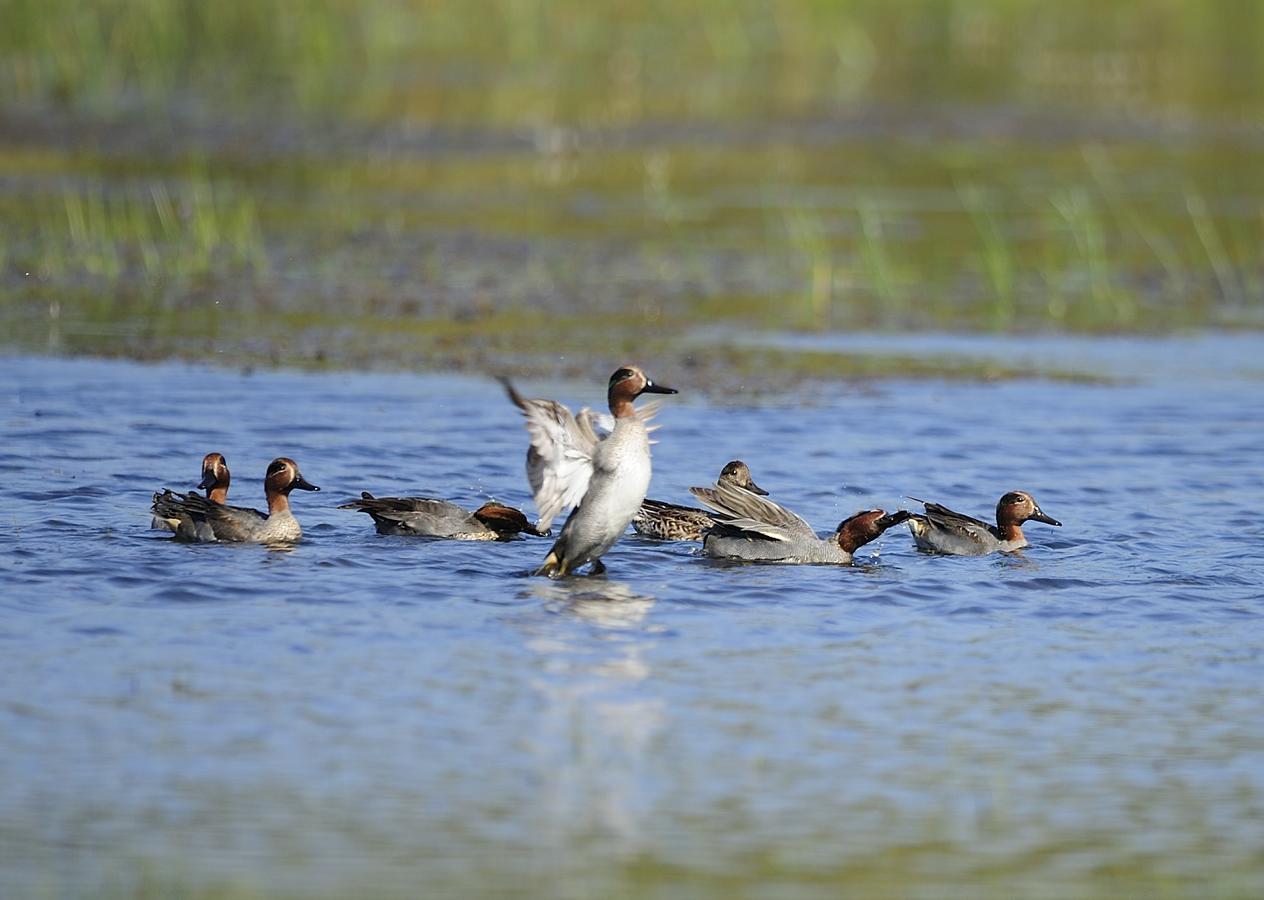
857, 530
215, 477
1014, 509
626, 384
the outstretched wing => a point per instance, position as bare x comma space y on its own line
560, 458
740, 509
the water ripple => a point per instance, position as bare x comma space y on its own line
1089, 702
82, 495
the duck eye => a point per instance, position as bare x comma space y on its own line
620, 375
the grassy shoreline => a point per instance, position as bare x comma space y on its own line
389, 183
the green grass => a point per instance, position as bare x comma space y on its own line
528, 62
147, 233
289, 183
995, 252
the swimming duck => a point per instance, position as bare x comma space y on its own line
425, 517
669, 522
941, 530
215, 481
604, 477
754, 528
204, 520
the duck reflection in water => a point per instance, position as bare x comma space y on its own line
591, 746
610, 604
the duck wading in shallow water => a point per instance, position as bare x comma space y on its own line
941, 530
756, 529
215, 481
669, 522
201, 519
604, 478
425, 517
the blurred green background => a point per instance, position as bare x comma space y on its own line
545, 186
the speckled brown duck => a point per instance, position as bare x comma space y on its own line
671, 522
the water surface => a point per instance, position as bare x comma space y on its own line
381, 716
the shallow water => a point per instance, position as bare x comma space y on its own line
383, 716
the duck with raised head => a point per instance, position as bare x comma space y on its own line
604, 477
204, 520
671, 522
215, 481
753, 528
426, 517
940, 530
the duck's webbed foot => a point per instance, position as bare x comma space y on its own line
597, 568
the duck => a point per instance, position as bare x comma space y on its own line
202, 520
753, 528
670, 522
215, 481
940, 530
604, 477
427, 517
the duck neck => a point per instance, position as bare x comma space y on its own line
278, 503
218, 494
621, 407
851, 538
1011, 531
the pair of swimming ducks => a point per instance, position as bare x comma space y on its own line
599, 468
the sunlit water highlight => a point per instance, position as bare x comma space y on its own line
383, 716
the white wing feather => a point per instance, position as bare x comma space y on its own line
559, 460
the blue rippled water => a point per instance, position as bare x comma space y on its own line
381, 716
